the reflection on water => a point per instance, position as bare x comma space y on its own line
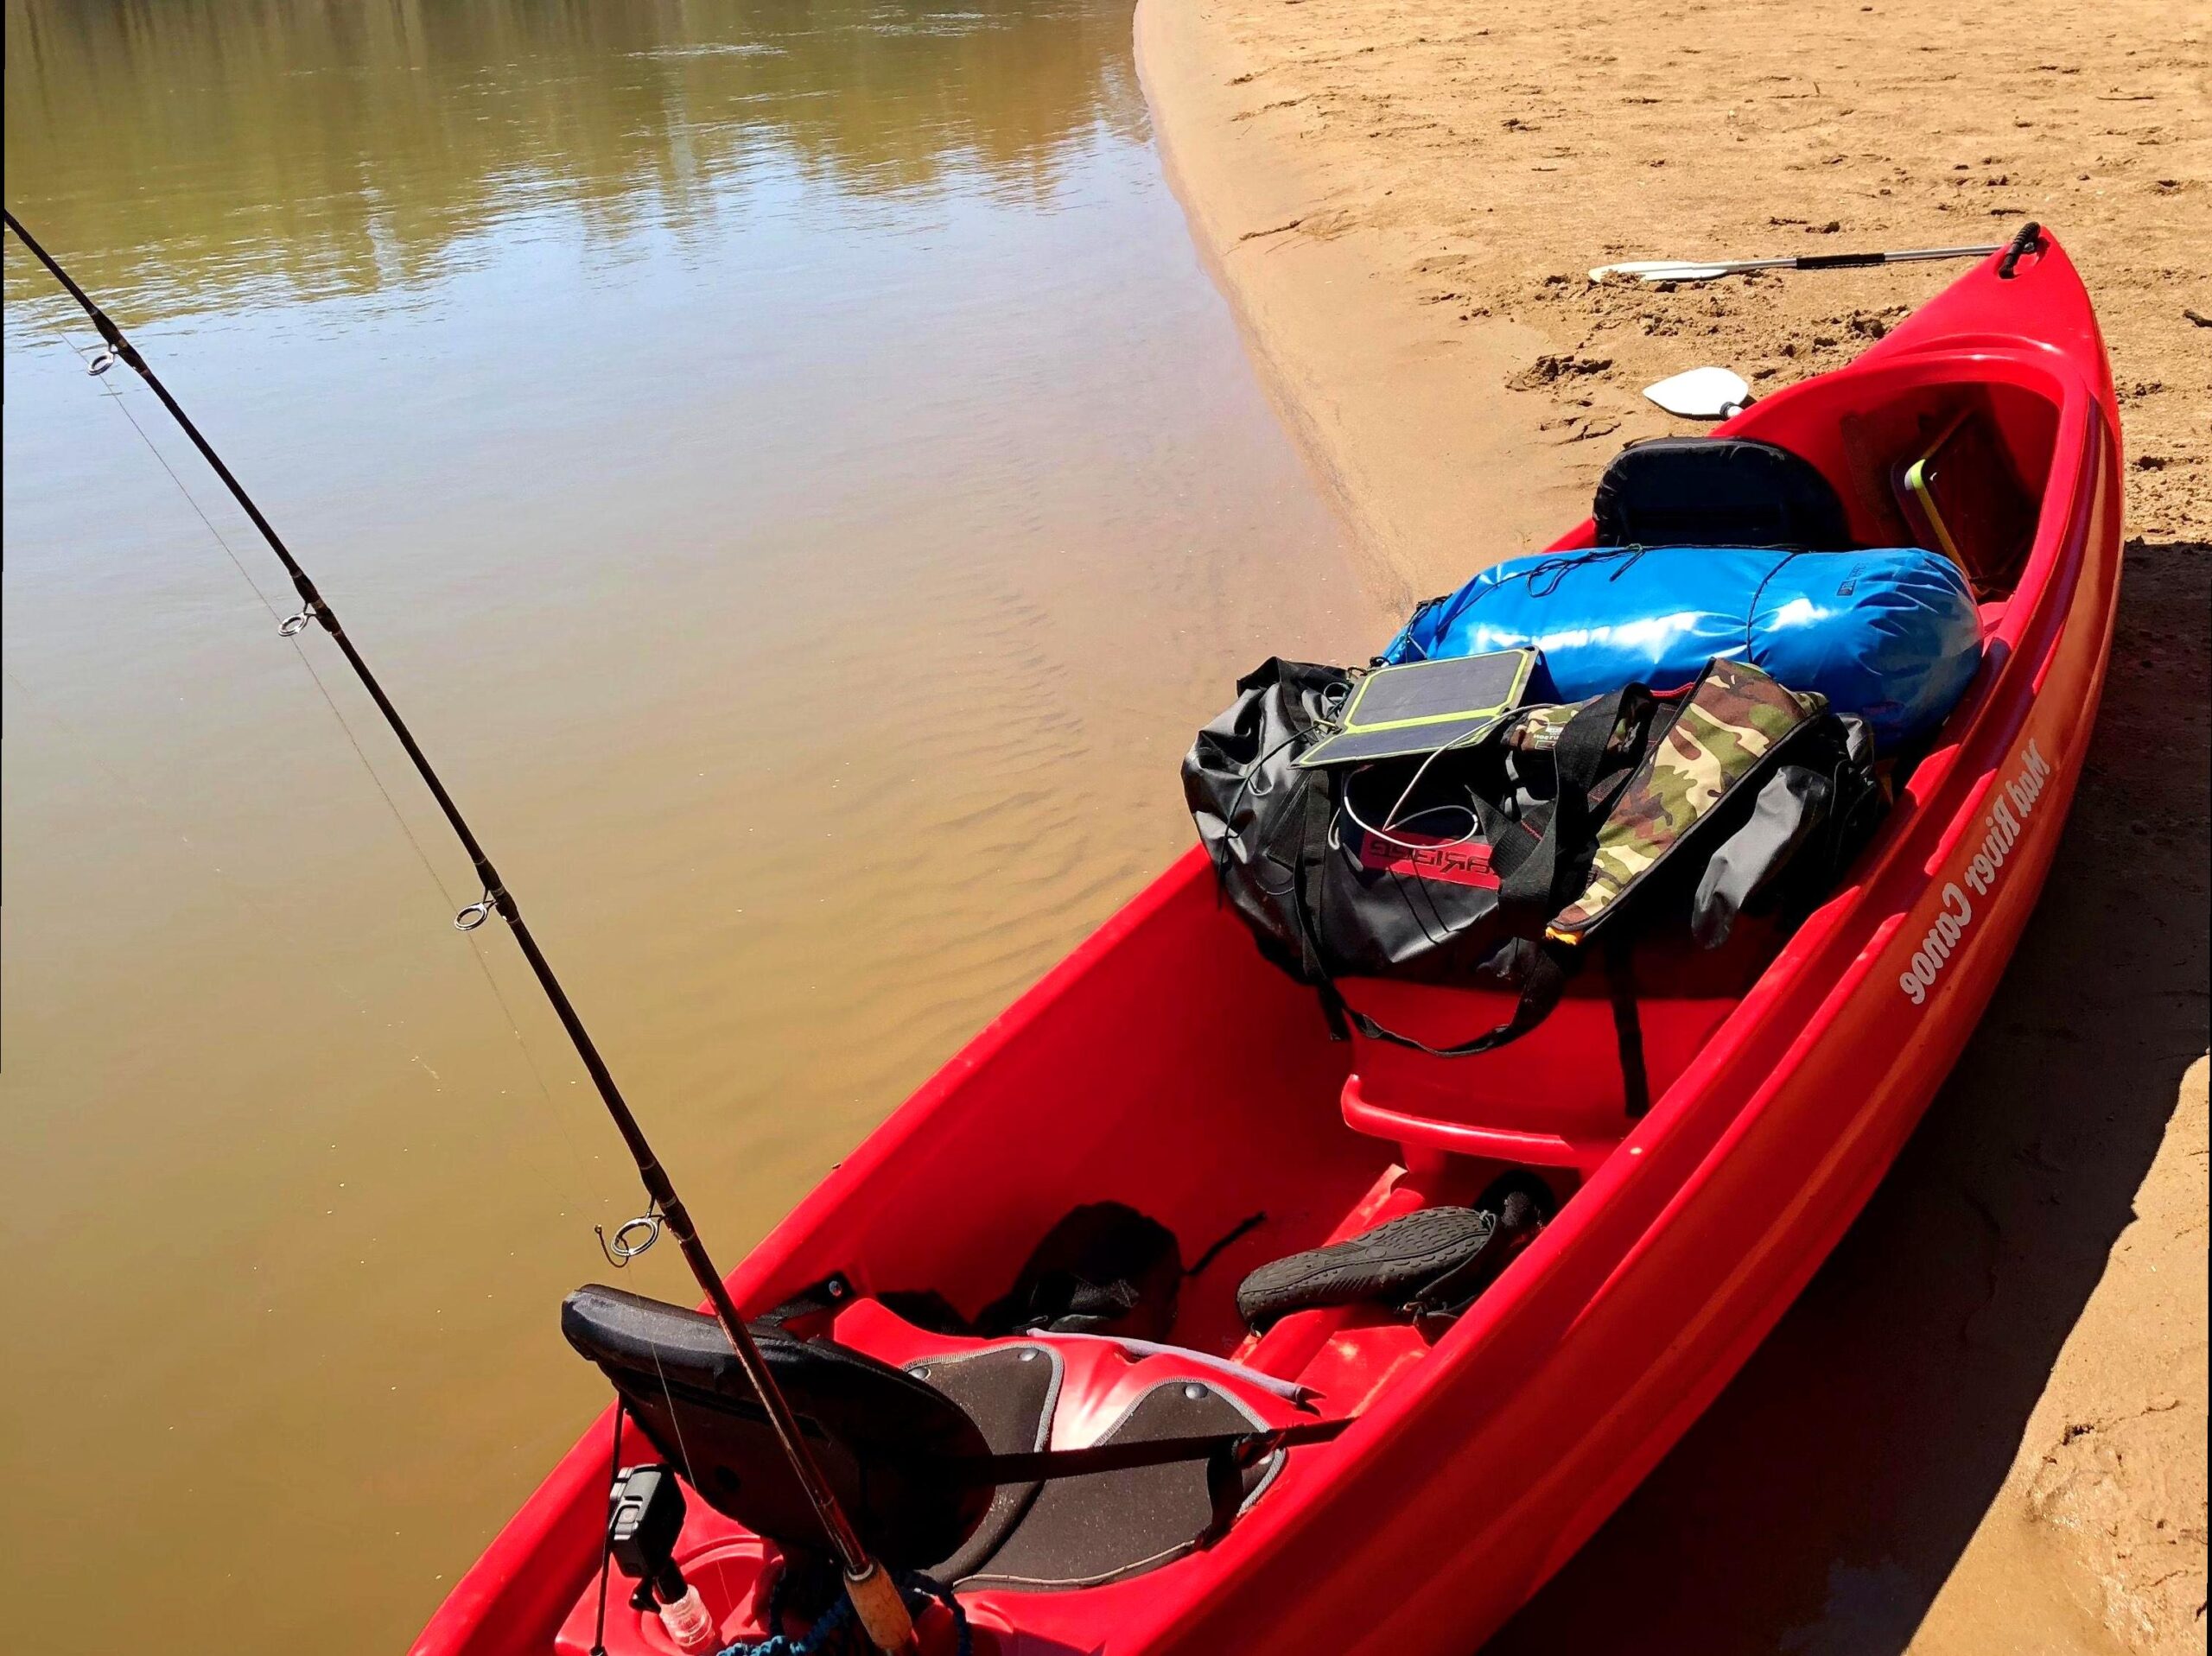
338, 147
790, 469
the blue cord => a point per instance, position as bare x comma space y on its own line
833, 1633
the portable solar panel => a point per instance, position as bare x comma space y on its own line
1424, 705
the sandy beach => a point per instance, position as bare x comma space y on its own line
1982, 1428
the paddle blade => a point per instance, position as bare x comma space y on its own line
1702, 394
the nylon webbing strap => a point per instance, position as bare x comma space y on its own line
1319, 811
1577, 758
1628, 1025
1245, 1448
1542, 986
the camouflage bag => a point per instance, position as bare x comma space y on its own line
1732, 720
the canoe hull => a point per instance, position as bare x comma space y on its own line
1596, 1404
1480, 1469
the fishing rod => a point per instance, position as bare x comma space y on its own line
876, 1601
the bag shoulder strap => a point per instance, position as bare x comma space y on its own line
1542, 984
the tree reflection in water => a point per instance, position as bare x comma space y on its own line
187, 153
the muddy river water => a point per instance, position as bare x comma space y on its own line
790, 465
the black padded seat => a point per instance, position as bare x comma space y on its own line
925, 1461
1009, 1392
883, 1439
1718, 492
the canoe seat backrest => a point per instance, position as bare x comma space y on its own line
1718, 492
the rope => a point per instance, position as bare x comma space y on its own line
835, 1634
1235, 1233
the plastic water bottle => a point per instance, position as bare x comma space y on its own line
689, 1624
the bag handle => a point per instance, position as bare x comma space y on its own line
1579, 755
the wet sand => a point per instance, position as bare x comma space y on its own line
1981, 1429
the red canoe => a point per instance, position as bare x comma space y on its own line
1165, 1065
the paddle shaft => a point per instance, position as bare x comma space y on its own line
1843, 261
1705, 270
875, 1599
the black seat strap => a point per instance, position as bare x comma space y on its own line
1241, 1448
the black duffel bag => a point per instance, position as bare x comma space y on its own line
1443, 867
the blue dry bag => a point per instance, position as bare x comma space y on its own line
1891, 635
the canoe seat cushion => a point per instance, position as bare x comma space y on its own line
1107, 1527
1009, 1392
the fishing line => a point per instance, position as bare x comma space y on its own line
581, 1192
875, 1599
115, 395
85, 747
675, 1414
607, 1538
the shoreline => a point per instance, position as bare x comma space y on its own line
1402, 211
1375, 398
1972, 1430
